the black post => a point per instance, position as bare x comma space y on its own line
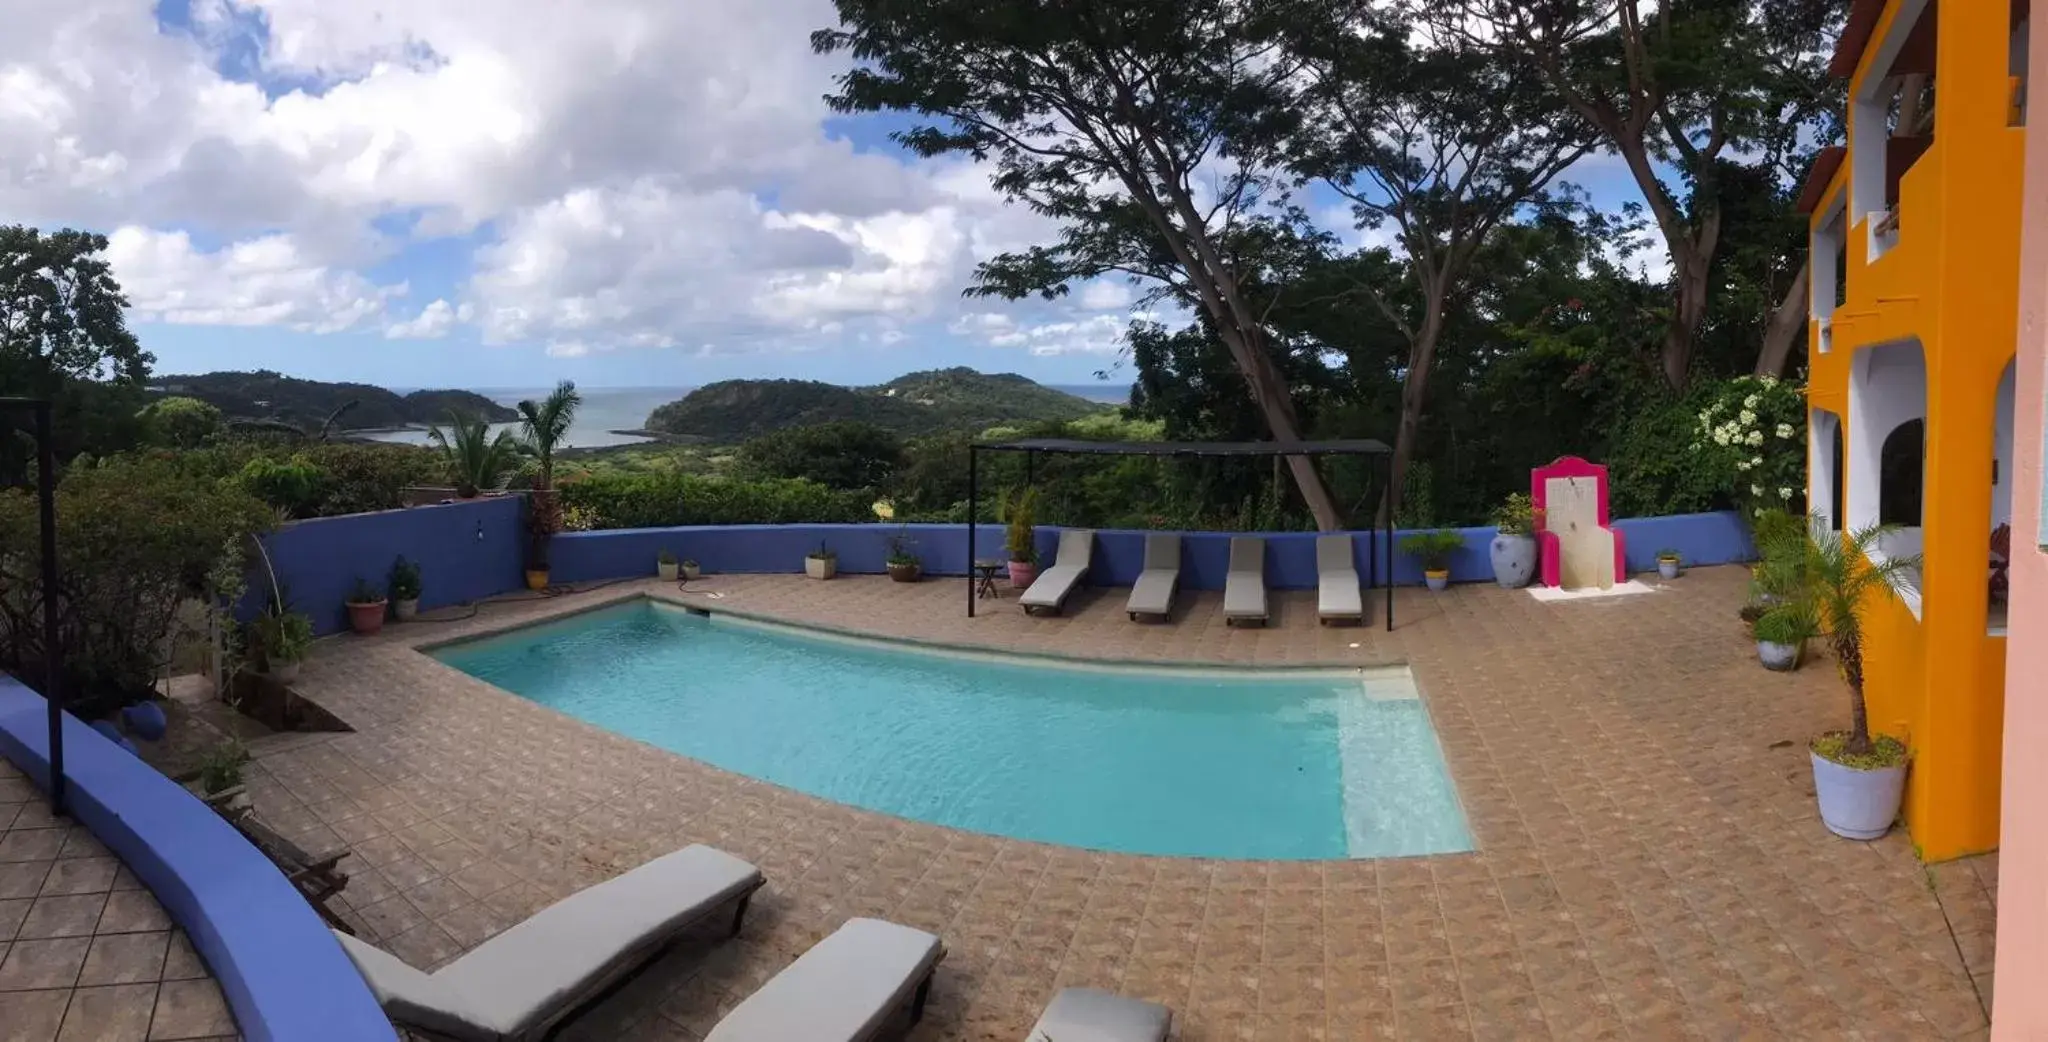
1387, 476
972, 490
53, 656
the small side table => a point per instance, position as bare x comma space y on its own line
985, 571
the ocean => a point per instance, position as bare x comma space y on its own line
608, 409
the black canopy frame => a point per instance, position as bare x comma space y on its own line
46, 518
1031, 447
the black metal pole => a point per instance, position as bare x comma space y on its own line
1387, 552
972, 491
53, 656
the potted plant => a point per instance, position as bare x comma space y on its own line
691, 570
543, 520
279, 639
1668, 562
1434, 549
220, 774
1781, 635
404, 587
1514, 542
478, 461
666, 565
821, 563
1858, 777
1018, 537
904, 565
366, 606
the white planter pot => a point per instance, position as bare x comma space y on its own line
1514, 560
282, 672
666, 570
692, 572
821, 567
1857, 804
1781, 658
1436, 581
405, 610
1667, 569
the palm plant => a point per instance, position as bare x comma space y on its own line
1834, 576
543, 425
478, 459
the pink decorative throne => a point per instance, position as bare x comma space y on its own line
1578, 547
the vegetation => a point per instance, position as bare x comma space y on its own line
404, 580
1516, 515
291, 485
479, 460
1433, 548
902, 548
279, 636
843, 454
221, 767
180, 423
659, 500
363, 591
917, 403
1833, 576
543, 425
823, 553
136, 539
307, 405
1020, 514
1670, 554
1792, 624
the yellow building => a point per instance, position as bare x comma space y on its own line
1915, 288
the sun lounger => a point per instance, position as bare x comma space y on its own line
1244, 589
1050, 590
524, 982
1087, 1015
1153, 593
1337, 595
842, 990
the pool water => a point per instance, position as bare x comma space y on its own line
1209, 763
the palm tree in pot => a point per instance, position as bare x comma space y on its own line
1858, 778
1019, 537
542, 426
477, 460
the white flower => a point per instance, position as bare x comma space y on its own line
1756, 461
1755, 438
1756, 490
1784, 430
1743, 465
1750, 402
1784, 493
1720, 437
1746, 417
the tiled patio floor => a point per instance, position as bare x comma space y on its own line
85, 952
1650, 862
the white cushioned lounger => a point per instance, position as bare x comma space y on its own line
1087, 1015
522, 983
1069, 567
1337, 595
1244, 588
1153, 593
842, 990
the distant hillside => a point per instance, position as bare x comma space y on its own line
916, 403
264, 395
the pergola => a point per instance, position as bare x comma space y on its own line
1031, 447
46, 516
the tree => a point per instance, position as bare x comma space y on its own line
1676, 87
1440, 140
543, 425
844, 455
1151, 129
183, 423
477, 460
62, 312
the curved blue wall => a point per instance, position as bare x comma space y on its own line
465, 550
283, 973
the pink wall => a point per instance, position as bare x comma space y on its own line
2022, 1012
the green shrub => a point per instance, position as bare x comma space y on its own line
846, 454
291, 485
1792, 623
650, 500
1516, 515
1433, 549
179, 422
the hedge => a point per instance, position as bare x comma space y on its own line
662, 500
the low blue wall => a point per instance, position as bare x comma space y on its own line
284, 975
1716, 538
465, 551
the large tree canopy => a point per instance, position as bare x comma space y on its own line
61, 312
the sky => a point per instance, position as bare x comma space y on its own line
510, 192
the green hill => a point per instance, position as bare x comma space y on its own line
265, 395
912, 404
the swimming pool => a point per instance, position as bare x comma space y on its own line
1209, 763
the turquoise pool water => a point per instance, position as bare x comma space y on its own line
1327, 764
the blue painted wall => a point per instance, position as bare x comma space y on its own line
284, 975
1704, 539
465, 551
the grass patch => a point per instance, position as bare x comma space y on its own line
1885, 751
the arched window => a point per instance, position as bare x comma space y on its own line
1902, 466
1840, 483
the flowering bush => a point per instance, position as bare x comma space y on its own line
1753, 428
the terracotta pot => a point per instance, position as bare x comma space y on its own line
405, 609
666, 570
536, 578
366, 619
906, 573
1022, 572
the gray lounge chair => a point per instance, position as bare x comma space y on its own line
1153, 593
524, 982
842, 990
1049, 591
1337, 595
1244, 589
1087, 1015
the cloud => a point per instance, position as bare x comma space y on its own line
433, 322
257, 282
